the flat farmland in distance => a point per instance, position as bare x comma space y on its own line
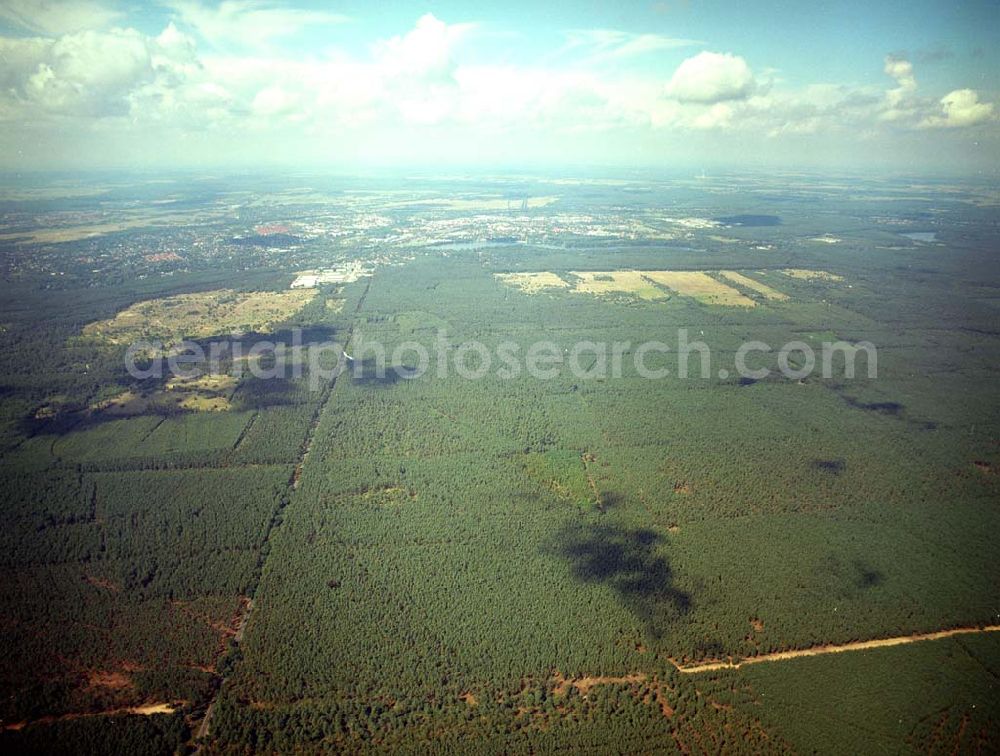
533, 282
627, 282
700, 286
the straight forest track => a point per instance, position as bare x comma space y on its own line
201, 731
900, 640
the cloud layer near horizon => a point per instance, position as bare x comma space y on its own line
221, 71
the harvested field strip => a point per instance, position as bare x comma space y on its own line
700, 286
811, 275
748, 283
630, 282
532, 282
901, 640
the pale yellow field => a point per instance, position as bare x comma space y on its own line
616, 282
201, 315
811, 275
749, 283
700, 286
532, 282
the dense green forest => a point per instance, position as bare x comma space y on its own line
512, 564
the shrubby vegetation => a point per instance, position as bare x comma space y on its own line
132, 545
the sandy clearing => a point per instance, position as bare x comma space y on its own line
584, 684
148, 709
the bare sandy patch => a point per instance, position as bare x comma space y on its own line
584, 684
155, 708
748, 283
700, 286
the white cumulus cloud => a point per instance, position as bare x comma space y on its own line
425, 51
960, 108
711, 77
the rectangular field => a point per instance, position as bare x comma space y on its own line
532, 282
700, 286
811, 275
748, 283
629, 282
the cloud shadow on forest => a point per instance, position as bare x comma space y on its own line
629, 561
375, 373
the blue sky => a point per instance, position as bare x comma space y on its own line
895, 86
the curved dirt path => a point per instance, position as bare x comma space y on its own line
692, 669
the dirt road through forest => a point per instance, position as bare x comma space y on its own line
901, 640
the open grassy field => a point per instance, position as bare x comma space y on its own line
811, 275
749, 283
616, 282
533, 282
205, 393
700, 286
